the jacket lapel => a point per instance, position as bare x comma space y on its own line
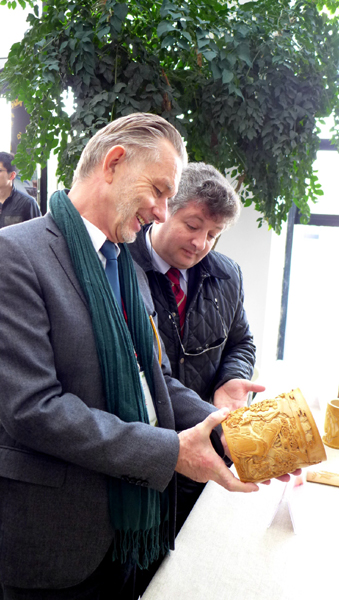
59, 248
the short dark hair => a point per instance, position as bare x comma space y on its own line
6, 159
205, 185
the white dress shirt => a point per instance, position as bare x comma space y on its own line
98, 239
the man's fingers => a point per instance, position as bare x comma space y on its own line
233, 484
214, 419
286, 477
256, 387
297, 472
225, 446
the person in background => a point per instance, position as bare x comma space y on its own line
89, 411
199, 297
15, 206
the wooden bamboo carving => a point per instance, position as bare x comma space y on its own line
273, 437
331, 427
323, 477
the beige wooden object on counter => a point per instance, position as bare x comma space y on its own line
323, 477
331, 427
273, 437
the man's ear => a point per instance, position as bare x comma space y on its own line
12, 175
114, 156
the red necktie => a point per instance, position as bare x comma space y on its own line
173, 275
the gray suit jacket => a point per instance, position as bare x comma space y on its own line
58, 445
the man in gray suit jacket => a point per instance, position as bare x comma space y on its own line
86, 482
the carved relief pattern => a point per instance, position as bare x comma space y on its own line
272, 437
323, 477
331, 428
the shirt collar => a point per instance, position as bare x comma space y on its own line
158, 263
97, 236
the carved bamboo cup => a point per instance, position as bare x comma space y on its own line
273, 437
331, 427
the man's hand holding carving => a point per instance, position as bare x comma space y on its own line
233, 394
198, 460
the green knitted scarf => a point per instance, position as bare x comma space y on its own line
139, 515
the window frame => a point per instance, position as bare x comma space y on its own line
319, 220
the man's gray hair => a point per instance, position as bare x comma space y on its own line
139, 133
205, 185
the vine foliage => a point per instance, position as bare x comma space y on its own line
245, 84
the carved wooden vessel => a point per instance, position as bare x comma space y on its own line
273, 437
331, 427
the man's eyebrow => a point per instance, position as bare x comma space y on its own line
167, 183
193, 216
220, 227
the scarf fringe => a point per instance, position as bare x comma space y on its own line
142, 547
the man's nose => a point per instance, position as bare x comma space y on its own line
160, 210
200, 241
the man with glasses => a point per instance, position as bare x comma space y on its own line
15, 207
198, 296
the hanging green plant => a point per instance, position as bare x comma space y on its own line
245, 83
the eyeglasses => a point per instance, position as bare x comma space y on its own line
217, 344
3, 171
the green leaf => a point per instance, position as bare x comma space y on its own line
216, 72
248, 6
243, 53
202, 42
150, 88
164, 27
209, 54
88, 119
183, 44
243, 30
99, 110
121, 11
118, 87
167, 41
227, 76
104, 31
187, 35
115, 25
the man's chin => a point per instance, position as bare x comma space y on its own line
187, 262
128, 236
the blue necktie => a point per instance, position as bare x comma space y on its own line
109, 251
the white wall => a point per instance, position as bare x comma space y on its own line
5, 125
260, 254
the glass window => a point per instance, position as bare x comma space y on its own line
327, 165
312, 328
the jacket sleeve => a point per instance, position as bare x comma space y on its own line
34, 210
238, 358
